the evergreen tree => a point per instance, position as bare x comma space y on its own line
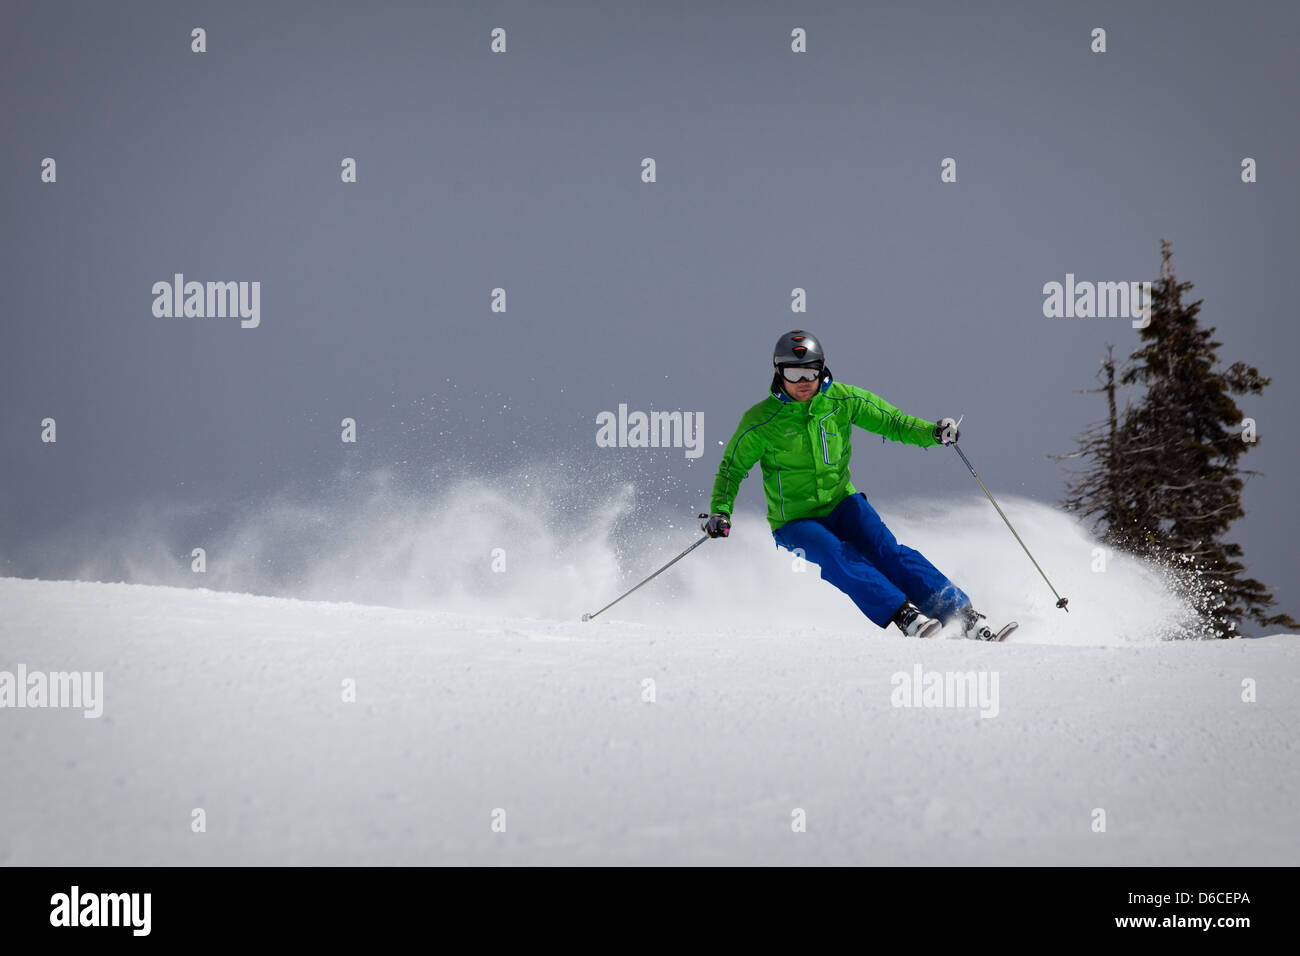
1165, 478
1098, 491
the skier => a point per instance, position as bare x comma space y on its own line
801, 433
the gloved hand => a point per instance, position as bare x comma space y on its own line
945, 432
718, 524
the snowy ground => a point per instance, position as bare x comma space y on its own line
233, 703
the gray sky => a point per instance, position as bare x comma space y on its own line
522, 170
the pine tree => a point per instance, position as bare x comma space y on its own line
1097, 492
1165, 479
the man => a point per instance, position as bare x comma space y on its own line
802, 435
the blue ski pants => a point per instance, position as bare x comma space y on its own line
861, 557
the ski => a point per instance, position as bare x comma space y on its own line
1002, 634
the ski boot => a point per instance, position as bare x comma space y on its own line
913, 623
974, 628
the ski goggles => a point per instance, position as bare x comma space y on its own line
801, 373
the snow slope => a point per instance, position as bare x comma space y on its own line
232, 703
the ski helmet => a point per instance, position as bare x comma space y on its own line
798, 348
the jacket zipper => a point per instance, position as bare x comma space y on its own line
780, 494
826, 454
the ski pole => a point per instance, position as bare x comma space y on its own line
1060, 601
588, 617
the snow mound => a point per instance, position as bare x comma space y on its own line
544, 543
315, 733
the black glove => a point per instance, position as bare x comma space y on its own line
945, 433
718, 524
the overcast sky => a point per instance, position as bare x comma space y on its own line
522, 170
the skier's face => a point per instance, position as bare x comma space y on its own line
802, 391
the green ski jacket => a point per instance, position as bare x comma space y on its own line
804, 448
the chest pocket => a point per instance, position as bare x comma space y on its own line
792, 448
830, 433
